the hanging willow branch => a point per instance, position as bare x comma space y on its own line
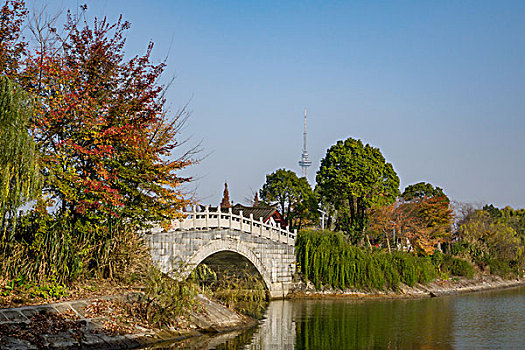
19, 170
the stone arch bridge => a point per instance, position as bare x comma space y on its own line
216, 235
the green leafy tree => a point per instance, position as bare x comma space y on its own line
511, 218
292, 195
490, 238
421, 190
514, 218
19, 170
354, 178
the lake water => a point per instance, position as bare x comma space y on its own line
485, 320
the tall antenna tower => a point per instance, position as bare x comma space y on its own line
304, 163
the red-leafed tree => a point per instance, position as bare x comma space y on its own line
101, 125
391, 223
425, 222
12, 49
434, 222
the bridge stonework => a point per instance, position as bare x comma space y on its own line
178, 252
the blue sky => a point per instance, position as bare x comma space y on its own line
438, 86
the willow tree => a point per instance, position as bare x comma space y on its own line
354, 178
19, 171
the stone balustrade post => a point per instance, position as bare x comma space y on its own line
194, 213
219, 212
207, 217
251, 223
241, 221
230, 217
261, 227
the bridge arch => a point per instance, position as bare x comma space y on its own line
217, 246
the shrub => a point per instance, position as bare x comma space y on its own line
460, 267
500, 268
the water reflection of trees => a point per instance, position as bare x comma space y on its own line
344, 324
396, 324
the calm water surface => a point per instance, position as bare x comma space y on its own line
486, 320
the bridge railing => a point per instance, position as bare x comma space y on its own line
207, 220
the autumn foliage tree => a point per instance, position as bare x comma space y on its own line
434, 224
424, 222
105, 145
12, 48
390, 224
105, 137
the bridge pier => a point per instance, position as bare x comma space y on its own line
178, 252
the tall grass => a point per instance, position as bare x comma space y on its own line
47, 247
327, 259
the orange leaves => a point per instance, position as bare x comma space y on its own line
101, 126
425, 222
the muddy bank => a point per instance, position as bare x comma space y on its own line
75, 324
433, 289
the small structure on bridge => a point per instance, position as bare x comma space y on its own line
269, 247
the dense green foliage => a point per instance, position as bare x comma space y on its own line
165, 298
493, 239
422, 190
293, 195
353, 178
452, 265
327, 258
50, 246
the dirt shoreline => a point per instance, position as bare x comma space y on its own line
73, 325
436, 288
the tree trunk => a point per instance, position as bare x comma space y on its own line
368, 241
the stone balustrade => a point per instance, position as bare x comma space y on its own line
209, 220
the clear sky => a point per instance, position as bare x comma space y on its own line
438, 86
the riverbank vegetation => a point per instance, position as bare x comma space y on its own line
328, 259
88, 157
378, 237
493, 239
